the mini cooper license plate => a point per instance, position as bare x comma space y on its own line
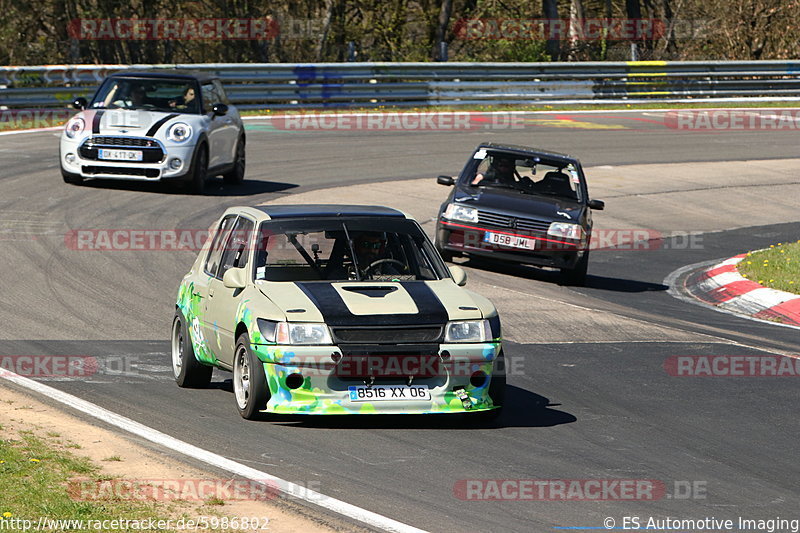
379, 393
510, 240
120, 155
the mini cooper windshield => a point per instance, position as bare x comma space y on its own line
527, 175
339, 250
171, 96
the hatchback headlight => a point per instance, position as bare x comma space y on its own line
179, 132
460, 212
468, 331
74, 127
294, 332
565, 230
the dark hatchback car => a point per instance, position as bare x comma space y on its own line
522, 205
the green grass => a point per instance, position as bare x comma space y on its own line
34, 473
777, 267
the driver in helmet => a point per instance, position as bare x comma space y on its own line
373, 256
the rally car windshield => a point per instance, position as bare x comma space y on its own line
364, 249
523, 174
170, 96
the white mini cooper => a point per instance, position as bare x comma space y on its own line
154, 126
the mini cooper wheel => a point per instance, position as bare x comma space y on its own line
188, 372
249, 382
197, 185
235, 176
72, 179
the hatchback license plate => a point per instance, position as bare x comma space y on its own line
120, 155
379, 393
510, 240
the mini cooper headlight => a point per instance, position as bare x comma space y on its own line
179, 132
75, 126
468, 331
460, 212
565, 230
294, 332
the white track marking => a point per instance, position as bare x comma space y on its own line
285, 487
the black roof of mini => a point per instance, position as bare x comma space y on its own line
202, 77
328, 210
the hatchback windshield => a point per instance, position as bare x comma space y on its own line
527, 175
172, 96
365, 248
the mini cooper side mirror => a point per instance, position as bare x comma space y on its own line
235, 278
219, 109
79, 103
459, 276
597, 204
445, 180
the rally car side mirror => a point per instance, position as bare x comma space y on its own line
599, 205
445, 180
79, 103
235, 278
459, 276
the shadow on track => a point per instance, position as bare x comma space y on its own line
214, 187
552, 276
523, 409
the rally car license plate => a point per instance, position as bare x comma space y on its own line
379, 393
120, 155
510, 240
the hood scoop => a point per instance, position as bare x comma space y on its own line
373, 291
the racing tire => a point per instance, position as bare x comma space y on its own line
249, 381
235, 176
199, 177
576, 276
72, 179
187, 370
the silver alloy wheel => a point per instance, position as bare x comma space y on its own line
241, 377
177, 347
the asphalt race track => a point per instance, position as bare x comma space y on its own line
589, 398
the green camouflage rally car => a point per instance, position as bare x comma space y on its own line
335, 309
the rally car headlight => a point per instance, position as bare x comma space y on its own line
294, 333
75, 126
460, 212
468, 331
565, 230
179, 132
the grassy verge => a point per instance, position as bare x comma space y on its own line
777, 267
34, 475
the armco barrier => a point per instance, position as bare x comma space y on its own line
282, 86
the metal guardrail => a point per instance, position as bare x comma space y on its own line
365, 85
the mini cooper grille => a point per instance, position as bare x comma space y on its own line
505, 221
387, 335
122, 171
151, 151
122, 141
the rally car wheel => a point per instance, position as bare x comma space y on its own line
236, 175
187, 370
199, 171
249, 381
576, 276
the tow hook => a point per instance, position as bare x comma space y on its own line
462, 395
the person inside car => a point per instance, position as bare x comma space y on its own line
372, 257
136, 97
185, 102
501, 172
